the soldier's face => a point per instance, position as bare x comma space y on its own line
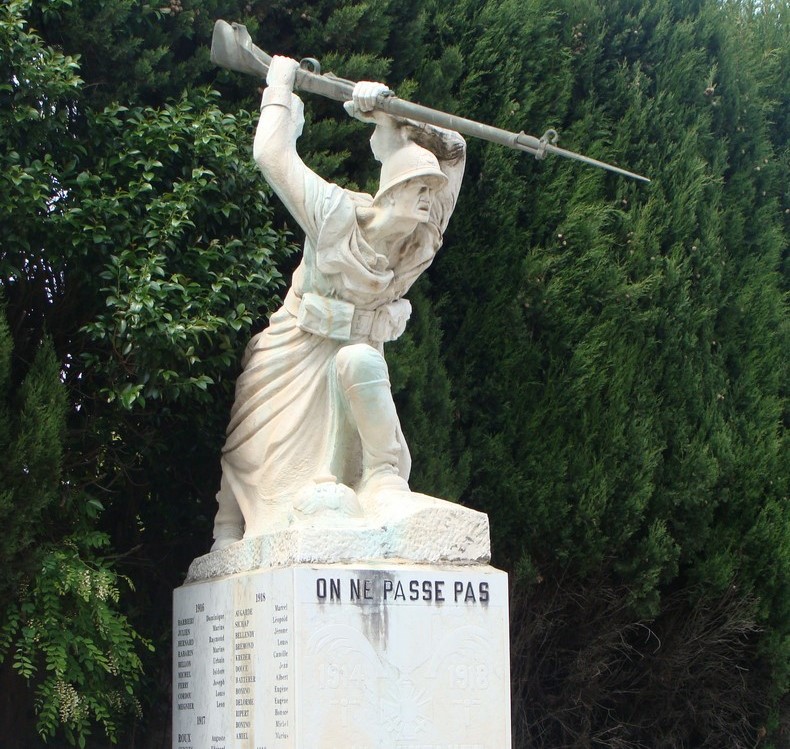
411, 201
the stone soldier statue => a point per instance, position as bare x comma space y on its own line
313, 431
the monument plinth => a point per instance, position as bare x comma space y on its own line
343, 657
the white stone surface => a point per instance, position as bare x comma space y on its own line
314, 427
343, 657
411, 527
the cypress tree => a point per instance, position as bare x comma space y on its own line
624, 342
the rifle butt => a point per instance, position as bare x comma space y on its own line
232, 49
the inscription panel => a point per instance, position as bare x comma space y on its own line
199, 669
404, 657
228, 682
319, 657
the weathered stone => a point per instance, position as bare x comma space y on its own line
343, 657
411, 527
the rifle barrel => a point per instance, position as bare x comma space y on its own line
232, 48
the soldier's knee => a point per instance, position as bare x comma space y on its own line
360, 363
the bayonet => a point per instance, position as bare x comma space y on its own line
232, 48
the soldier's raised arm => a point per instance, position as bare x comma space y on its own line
274, 149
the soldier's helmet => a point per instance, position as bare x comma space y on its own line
410, 161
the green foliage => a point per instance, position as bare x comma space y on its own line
32, 416
599, 365
176, 213
140, 239
625, 426
135, 53
60, 621
68, 638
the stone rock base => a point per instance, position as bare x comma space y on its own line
373, 656
402, 526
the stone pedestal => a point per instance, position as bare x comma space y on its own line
343, 656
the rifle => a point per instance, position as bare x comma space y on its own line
232, 48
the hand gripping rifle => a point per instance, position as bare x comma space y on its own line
232, 48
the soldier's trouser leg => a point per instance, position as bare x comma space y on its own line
364, 379
229, 521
